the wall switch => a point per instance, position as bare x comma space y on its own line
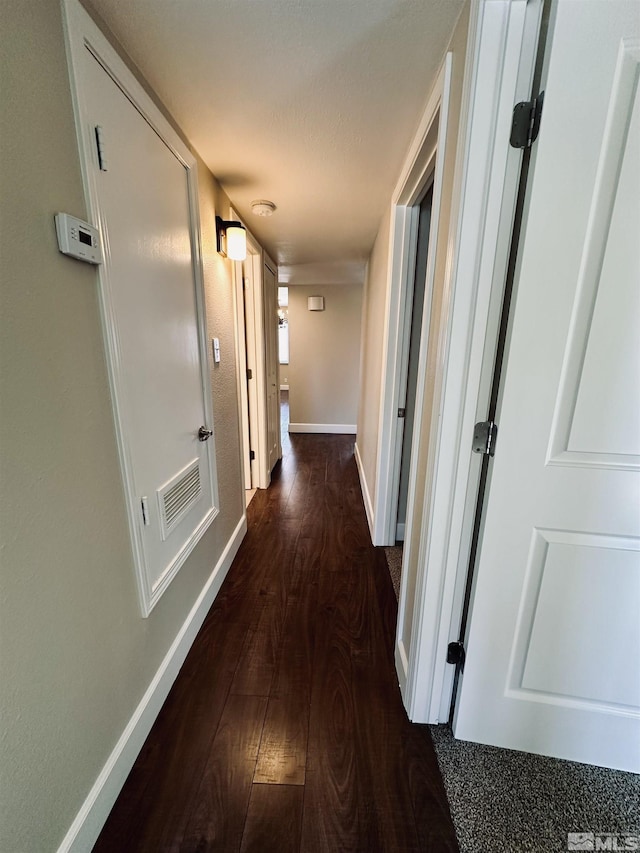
216, 350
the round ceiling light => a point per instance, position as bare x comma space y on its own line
262, 207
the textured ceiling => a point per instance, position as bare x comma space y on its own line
309, 103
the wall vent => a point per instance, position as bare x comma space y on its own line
178, 495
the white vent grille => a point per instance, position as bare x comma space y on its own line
177, 496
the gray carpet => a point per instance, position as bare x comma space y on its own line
513, 802
394, 562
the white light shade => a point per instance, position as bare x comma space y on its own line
236, 243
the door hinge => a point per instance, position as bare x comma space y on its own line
525, 124
144, 506
484, 438
252, 455
401, 413
456, 654
102, 155
249, 373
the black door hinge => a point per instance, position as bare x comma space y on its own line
401, 413
525, 124
252, 455
249, 373
456, 654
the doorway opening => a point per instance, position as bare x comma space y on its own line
415, 337
249, 336
283, 363
423, 169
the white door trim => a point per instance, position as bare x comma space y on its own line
260, 474
425, 159
273, 268
500, 62
244, 331
241, 372
81, 33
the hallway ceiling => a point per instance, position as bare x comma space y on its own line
309, 103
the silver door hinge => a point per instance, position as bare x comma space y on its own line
102, 154
525, 124
484, 438
401, 413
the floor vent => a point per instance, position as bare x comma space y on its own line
177, 496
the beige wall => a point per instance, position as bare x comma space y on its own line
75, 654
378, 277
373, 323
324, 366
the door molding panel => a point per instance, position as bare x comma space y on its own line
615, 145
82, 35
533, 668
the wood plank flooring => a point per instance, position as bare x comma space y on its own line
285, 729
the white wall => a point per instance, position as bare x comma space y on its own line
76, 655
324, 366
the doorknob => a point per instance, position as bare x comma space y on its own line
204, 433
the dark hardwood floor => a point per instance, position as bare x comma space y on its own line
285, 729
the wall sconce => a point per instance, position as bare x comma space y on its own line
231, 239
315, 303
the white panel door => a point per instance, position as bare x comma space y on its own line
152, 315
271, 363
553, 650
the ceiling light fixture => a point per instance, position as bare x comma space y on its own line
231, 239
262, 207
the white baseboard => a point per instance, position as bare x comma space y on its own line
402, 669
284, 387
364, 488
89, 821
341, 429
400, 532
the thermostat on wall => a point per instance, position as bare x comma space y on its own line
78, 239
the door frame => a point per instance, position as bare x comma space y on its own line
245, 333
81, 34
273, 269
400, 528
501, 56
425, 162
250, 352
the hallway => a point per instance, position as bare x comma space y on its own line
285, 728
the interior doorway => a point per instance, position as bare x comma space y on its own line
247, 281
272, 373
422, 169
415, 336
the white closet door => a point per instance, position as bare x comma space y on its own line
553, 657
151, 304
